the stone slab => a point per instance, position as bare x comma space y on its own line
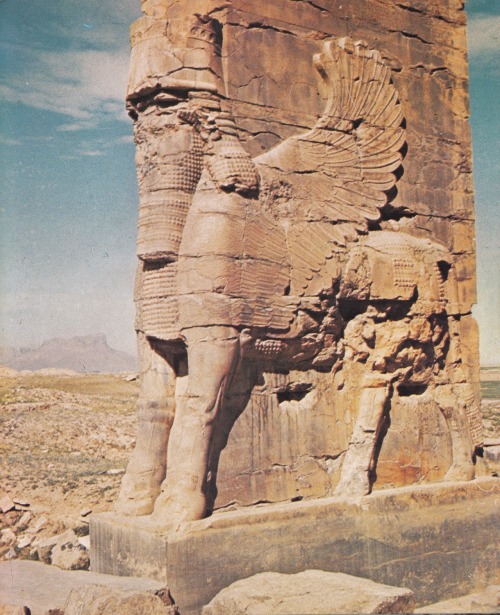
41, 587
311, 591
438, 540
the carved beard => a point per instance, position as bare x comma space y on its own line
169, 163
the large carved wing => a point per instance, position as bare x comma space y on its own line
343, 168
334, 179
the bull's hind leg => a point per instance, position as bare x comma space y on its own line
213, 356
359, 458
155, 412
453, 401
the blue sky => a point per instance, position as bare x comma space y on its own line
69, 198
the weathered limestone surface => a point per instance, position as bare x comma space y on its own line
306, 250
45, 589
425, 46
438, 540
486, 601
311, 591
100, 599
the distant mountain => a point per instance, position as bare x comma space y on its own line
89, 353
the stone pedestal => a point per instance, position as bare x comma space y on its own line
438, 540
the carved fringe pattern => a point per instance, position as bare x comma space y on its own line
247, 289
475, 420
264, 276
313, 246
166, 187
157, 312
219, 309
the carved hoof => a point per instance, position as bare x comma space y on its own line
460, 473
134, 507
171, 511
138, 494
354, 487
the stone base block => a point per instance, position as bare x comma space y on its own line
438, 540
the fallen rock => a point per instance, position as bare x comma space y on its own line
24, 521
24, 541
73, 522
39, 524
11, 554
45, 546
6, 503
98, 600
70, 555
85, 541
312, 591
7, 537
21, 502
45, 588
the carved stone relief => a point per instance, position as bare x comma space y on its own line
291, 276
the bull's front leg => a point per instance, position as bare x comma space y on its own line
155, 412
213, 356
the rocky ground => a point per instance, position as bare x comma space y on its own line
65, 442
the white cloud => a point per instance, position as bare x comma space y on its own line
74, 126
125, 139
97, 147
87, 86
71, 57
91, 152
483, 35
8, 141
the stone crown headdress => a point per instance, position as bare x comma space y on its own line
173, 57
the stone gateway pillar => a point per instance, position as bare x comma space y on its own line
306, 266
306, 252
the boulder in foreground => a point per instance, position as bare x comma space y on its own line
312, 591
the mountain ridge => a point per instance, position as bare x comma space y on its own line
80, 353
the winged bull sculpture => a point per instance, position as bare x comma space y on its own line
287, 260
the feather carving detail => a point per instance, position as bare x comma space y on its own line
345, 166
